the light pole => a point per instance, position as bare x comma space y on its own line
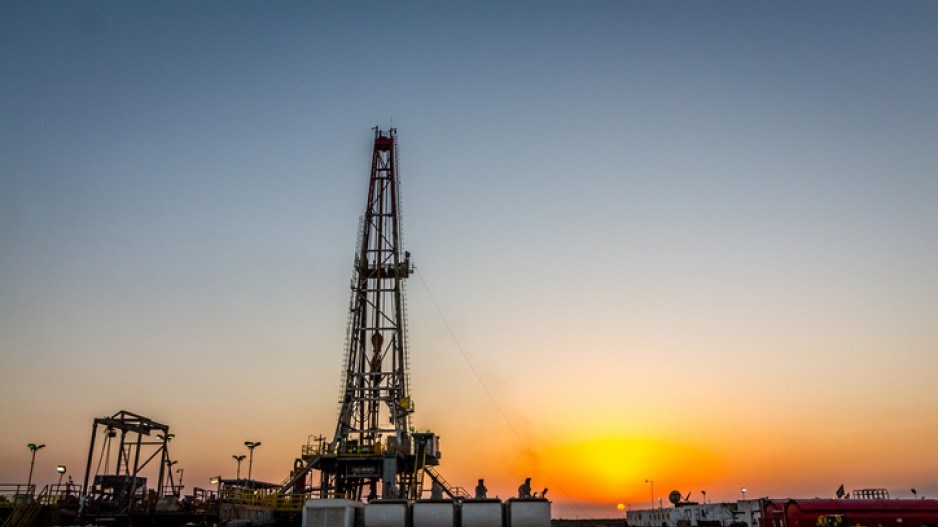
181, 472
61, 470
743, 490
704, 496
652, 492
239, 459
33, 447
251, 446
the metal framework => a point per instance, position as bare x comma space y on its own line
374, 451
123, 489
376, 398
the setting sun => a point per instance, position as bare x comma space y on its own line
612, 469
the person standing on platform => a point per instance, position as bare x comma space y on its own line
524, 491
481, 490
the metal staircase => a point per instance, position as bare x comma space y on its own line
457, 493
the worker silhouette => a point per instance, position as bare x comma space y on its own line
481, 490
436, 491
524, 491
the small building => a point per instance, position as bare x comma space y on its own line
686, 515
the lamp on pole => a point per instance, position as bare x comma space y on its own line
652, 492
251, 446
61, 470
33, 447
239, 459
180, 471
743, 490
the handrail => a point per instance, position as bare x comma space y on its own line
26, 508
59, 492
13, 493
454, 492
267, 498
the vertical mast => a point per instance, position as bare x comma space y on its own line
375, 401
374, 452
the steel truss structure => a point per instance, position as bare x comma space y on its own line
374, 451
122, 488
376, 398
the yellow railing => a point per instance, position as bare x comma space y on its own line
312, 450
316, 446
263, 498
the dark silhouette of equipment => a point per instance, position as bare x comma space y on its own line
674, 497
120, 487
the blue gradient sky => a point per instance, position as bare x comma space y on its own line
703, 224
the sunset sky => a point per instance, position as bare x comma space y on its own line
694, 243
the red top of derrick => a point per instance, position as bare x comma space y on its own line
384, 141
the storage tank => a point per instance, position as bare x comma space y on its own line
434, 513
880, 512
387, 513
332, 513
528, 512
482, 513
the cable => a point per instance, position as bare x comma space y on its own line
485, 388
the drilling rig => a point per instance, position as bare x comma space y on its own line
375, 451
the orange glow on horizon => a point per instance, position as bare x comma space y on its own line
612, 470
